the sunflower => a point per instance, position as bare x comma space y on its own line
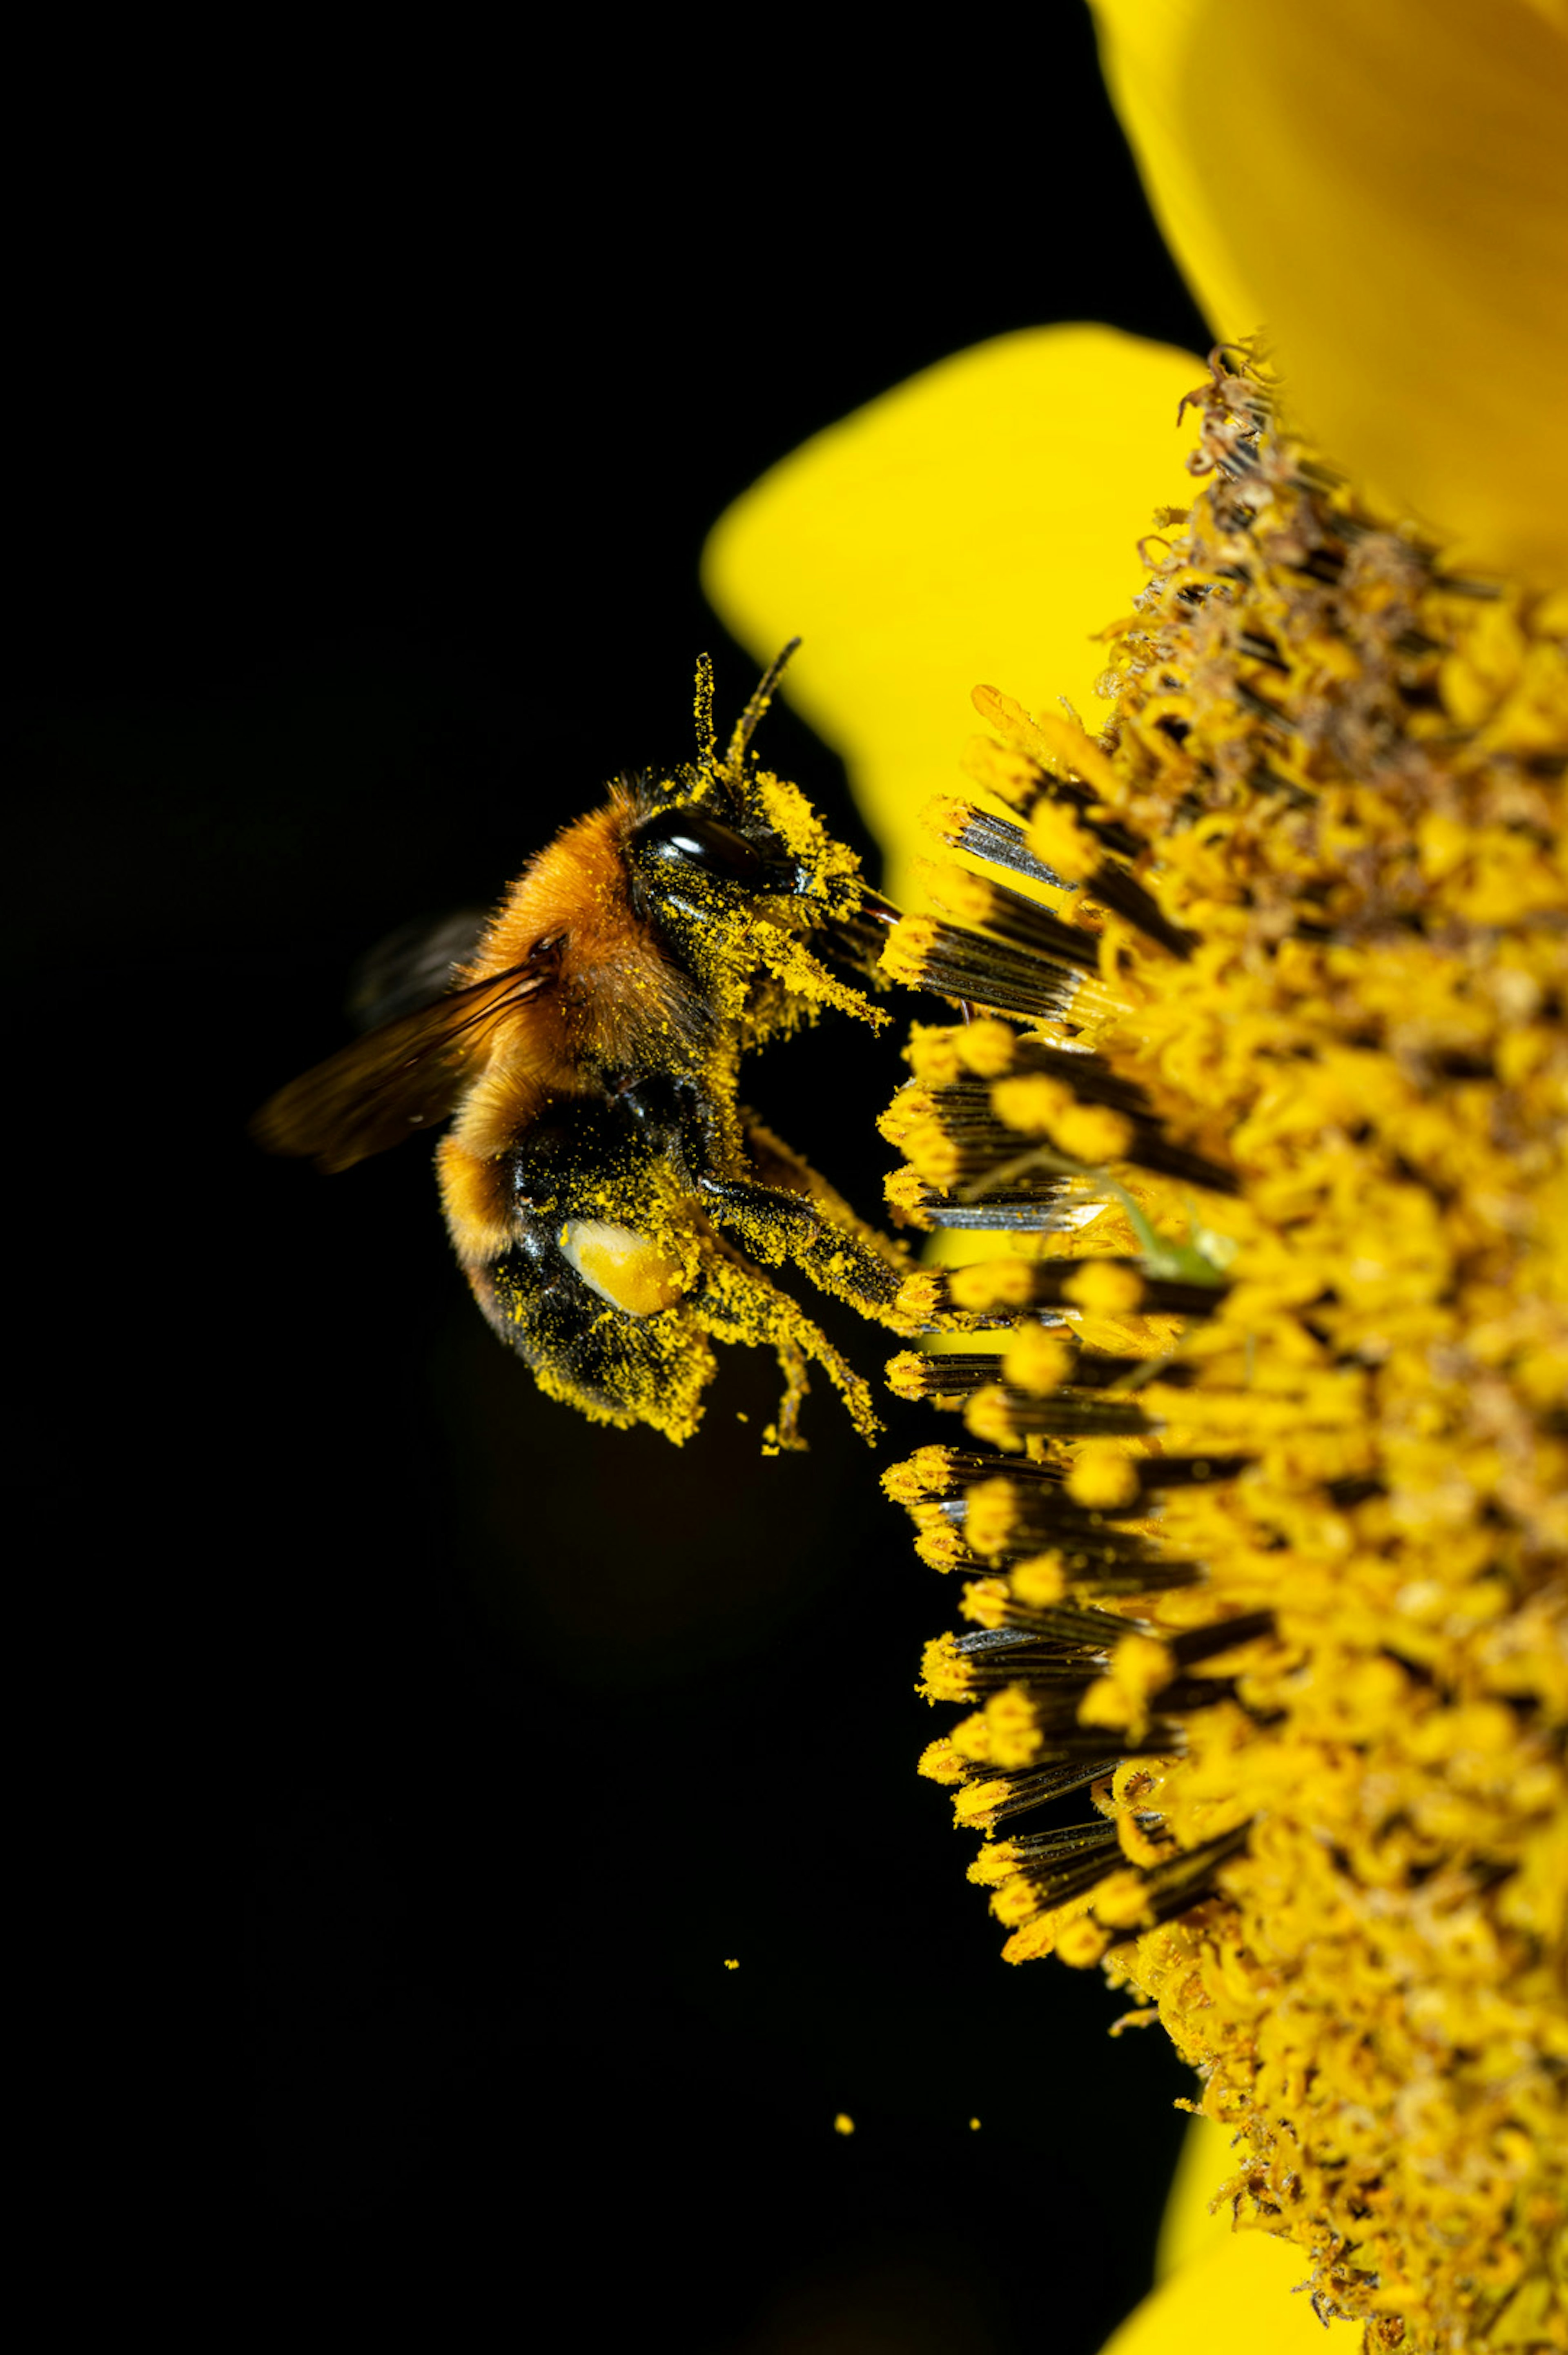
1248, 1163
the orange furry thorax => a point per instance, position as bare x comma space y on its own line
614, 992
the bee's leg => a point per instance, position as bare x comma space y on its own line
786, 1431
794, 1214
736, 1304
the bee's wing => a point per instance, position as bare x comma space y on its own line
404, 1077
413, 966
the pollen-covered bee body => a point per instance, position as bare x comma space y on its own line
599, 1258
633, 1246
611, 1203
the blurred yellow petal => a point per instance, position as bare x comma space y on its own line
1144, 46
975, 524
1383, 190
1234, 2300
1223, 2292
1188, 2230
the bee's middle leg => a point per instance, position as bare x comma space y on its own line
772, 1227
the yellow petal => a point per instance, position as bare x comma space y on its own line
1188, 2230
1145, 46
975, 526
1383, 189
1235, 2300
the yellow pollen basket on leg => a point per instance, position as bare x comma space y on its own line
630, 1270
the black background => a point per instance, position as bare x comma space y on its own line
439, 1747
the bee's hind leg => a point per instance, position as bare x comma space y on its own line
738, 1303
785, 1433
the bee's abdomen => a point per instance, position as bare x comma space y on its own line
592, 1284
615, 1365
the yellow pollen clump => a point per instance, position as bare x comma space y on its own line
901, 1190
1137, 1844
939, 1545
918, 1297
1012, 1733
996, 1863
1103, 1476
991, 1517
908, 949
1140, 1664
976, 1804
991, 1283
1048, 738
1012, 1902
1011, 775
932, 1055
945, 1672
989, 1417
1081, 1945
1058, 841
1034, 1103
933, 1152
971, 1739
945, 817
940, 1763
1093, 1133
985, 1601
921, 1475
1105, 1290
1037, 1358
910, 1109
630, 1269
1040, 1580
906, 1374
1121, 1903
964, 895
985, 1047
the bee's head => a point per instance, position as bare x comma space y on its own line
733, 868
686, 853
725, 895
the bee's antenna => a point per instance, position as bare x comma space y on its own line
705, 739
746, 726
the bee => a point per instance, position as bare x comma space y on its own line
611, 1201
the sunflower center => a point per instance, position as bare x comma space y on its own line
1264, 1128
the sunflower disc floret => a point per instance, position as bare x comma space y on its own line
1262, 1503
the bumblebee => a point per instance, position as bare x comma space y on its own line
611, 1201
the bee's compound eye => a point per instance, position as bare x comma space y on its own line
631, 1272
692, 838
691, 846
